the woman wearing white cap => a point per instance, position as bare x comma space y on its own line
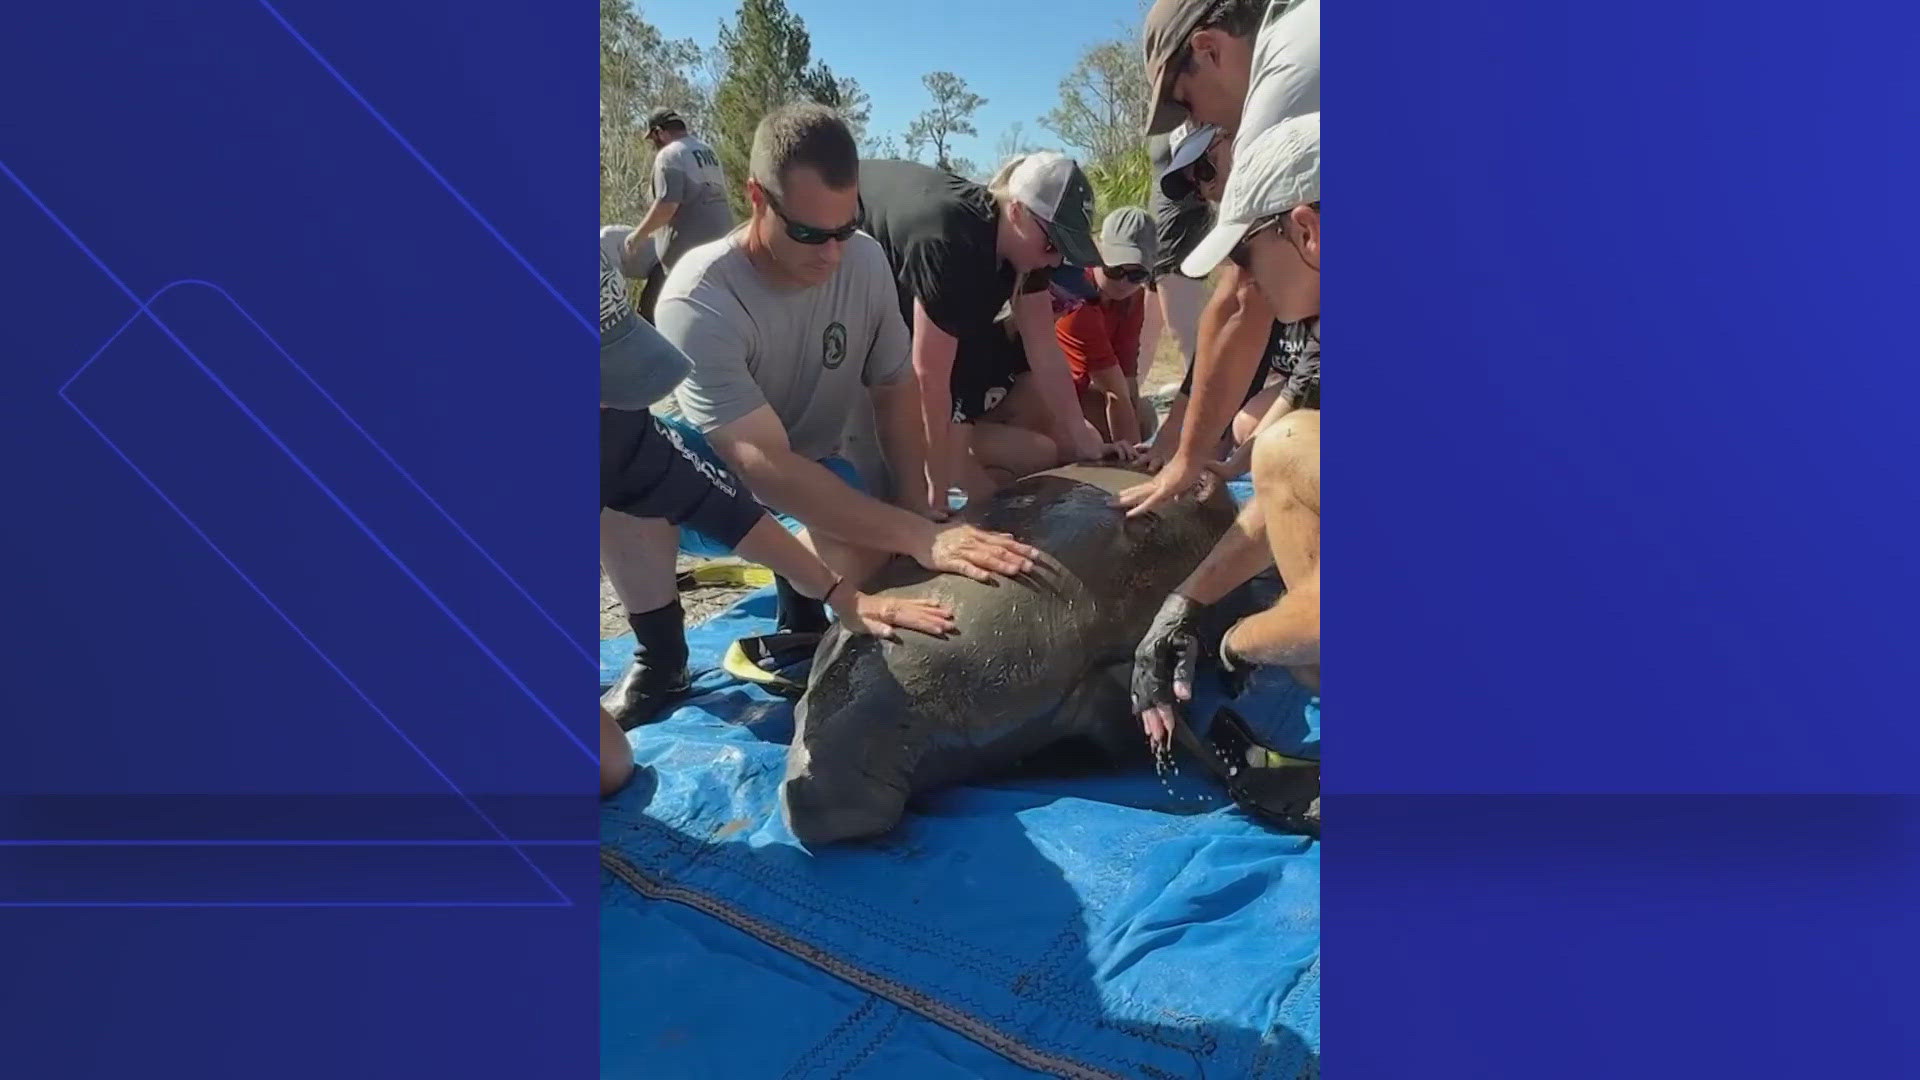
1269, 223
959, 252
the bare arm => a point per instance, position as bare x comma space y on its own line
1239, 554
1167, 439
1288, 633
780, 551
1033, 314
933, 350
903, 439
659, 214
972, 477
1122, 424
1234, 330
756, 447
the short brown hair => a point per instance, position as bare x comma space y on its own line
812, 136
1234, 18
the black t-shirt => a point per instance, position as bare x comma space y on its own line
1292, 354
1179, 224
985, 367
940, 232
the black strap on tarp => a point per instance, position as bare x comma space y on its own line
1283, 791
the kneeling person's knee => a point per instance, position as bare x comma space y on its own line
1288, 455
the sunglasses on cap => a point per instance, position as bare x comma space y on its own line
1132, 275
802, 233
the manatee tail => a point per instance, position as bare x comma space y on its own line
824, 810
842, 782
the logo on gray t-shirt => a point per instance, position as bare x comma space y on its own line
833, 346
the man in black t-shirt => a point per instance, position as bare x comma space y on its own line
1180, 220
959, 252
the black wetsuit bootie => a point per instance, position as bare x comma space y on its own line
658, 673
798, 614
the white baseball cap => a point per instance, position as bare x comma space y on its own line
1279, 170
1053, 187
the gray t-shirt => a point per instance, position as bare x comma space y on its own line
805, 352
687, 171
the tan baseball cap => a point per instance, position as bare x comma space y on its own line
1169, 24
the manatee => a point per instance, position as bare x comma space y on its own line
1036, 659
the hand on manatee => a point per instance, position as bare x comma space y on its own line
880, 616
975, 552
1153, 455
1180, 477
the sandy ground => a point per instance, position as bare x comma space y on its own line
701, 604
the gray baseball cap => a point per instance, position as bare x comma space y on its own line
1128, 237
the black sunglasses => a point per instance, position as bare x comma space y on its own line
1133, 275
1241, 254
801, 233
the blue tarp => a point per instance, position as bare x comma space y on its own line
1044, 924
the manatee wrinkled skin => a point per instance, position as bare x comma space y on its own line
1036, 659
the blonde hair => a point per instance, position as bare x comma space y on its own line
998, 185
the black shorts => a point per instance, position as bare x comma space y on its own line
1180, 227
644, 474
985, 367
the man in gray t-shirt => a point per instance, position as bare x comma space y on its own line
804, 353
790, 322
689, 202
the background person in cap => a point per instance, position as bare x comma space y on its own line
1288, 375
689, 204
1270, 221
1190, 170
1098, 315
1174, 308
1242, 65
646, 474
959, 251
1101, 336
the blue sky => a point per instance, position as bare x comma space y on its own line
1012, 53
